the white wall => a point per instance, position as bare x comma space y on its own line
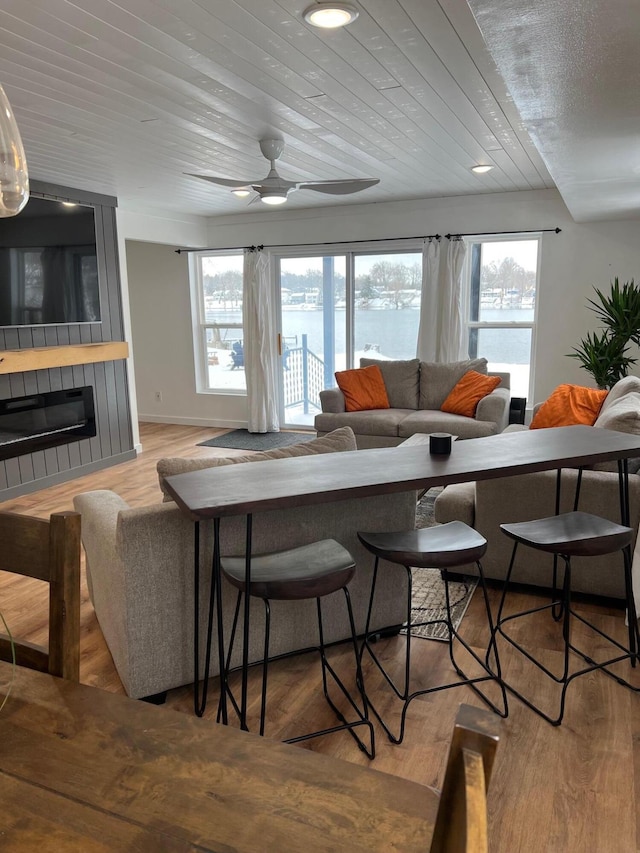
573, 262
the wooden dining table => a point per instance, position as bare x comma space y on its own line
86, 770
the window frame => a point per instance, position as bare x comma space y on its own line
201, 325
470, 324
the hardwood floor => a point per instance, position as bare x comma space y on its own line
553, 789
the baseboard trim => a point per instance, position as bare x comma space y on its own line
64, 476
199, 422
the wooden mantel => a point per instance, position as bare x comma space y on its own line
40, 358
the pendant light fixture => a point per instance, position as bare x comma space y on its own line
14, 177
330, 15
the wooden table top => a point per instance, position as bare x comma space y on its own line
305, 480
82, 769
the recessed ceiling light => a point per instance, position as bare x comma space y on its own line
480, 170
241, 193
330, 15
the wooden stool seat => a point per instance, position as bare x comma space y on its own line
572, 534
443, 546
309, 571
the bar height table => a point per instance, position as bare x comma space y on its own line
306, 480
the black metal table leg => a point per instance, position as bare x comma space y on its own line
216, 584
215, 599
245, 627
200, 699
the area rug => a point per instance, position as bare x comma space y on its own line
242, 439
428, 598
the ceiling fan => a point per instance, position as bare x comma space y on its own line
274, 190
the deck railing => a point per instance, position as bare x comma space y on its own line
303, 378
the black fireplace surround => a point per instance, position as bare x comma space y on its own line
40, 421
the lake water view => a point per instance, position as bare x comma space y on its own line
392, 333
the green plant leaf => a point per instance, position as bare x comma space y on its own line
604, 355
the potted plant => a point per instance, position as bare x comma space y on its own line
605, 355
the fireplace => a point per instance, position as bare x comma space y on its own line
40, 421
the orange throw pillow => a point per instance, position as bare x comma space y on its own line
569, 405
363, 388
467, 393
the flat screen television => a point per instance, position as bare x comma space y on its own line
48, 265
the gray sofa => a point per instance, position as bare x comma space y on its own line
140, 571
416, 391
487, 504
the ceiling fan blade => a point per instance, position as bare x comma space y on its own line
339, 187
223, 182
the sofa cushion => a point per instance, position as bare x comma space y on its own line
425, 421
363, 388
339, 440
465, 395
568, 405
401, 379
622, 415
622, 387
437, 380
382, 422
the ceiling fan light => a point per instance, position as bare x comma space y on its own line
481, 169
273, 197
330, 15
241, 193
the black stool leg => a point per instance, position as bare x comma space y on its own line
404, 694
363, 718
490, 676
265, 662
568, 613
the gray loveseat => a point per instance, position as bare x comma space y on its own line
487, 504
416, 390
140, 571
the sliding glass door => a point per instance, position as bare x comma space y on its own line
313, 332
336, 309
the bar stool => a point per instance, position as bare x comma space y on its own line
444, 546
570, 535
309, 571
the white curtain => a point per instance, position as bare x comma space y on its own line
260, 356
441, 331
452, 346
429, 315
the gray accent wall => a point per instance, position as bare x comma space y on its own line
113, 442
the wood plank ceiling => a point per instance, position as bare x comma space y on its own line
123, 97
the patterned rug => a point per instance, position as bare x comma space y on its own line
428, 599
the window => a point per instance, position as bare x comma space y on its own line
502, 290
337, 308
220, 339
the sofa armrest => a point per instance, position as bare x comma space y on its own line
142, 570
106, 576
495, 408
332, 400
